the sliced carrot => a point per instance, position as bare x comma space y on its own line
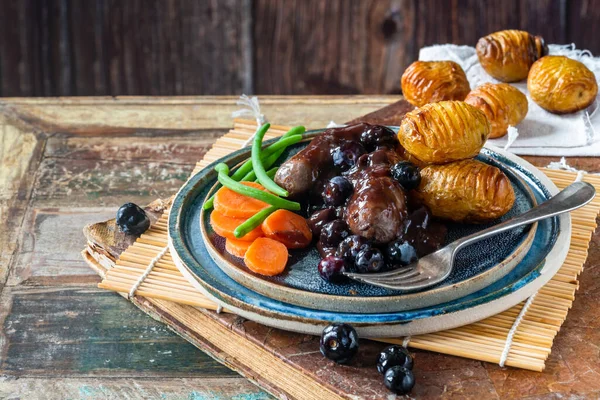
266, 257
237, 247
232, 204
288, 228
224, 226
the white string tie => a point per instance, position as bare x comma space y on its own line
406, 341
513, 134
250, 108
513, 330
153, 262
562, 165
219, 309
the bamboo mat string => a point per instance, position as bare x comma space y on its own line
149, 268
513, 330
406, 341
252, 108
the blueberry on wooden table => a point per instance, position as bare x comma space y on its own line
407, 174
339, 342
132, 219
393, 356
331, 269
399, 380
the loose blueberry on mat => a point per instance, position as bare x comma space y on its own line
132, 219
369, 260
394, 356
331, 268
339, 342
400, 252
332, 233
345, 156
407, 174
336, 191
399, 380
378, 135
349, 248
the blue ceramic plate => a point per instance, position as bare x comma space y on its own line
191, 253
477, 266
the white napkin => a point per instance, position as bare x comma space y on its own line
541, 132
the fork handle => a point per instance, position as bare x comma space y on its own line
570, 198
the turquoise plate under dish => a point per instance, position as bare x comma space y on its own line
191, 253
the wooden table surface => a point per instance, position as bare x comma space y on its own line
66, 162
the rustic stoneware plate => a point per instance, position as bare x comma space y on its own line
192, 253
476, 266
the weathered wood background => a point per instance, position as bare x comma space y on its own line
179, 47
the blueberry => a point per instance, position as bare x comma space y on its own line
132, 219
378, 135
339, 342
331, 268
345, 156
392, 356
336, 191
349, 248
332, 233
369, 260
401, 252
407, 174
399, 380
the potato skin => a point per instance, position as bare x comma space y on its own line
443, 132
508, 55
465, 191
426, 82
504, 105
561, 85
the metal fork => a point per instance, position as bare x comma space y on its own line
436, 266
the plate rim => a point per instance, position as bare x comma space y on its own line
375, 304
552, 263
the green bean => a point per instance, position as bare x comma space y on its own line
258, 194
271, 154
259, 168
253, 221
279, 145
271, 173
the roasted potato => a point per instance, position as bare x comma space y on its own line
465, 191
443, 132
561, 85
508, 55
432, 81
503, 105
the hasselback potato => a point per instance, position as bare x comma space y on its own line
508, 55
442, 132
561, 85
432, 81
503, 105
465, 191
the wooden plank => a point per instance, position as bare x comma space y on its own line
547, 18
583, 28
328, 47
122, 115
82, 331
139, 388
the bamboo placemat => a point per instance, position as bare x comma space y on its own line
531, 324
